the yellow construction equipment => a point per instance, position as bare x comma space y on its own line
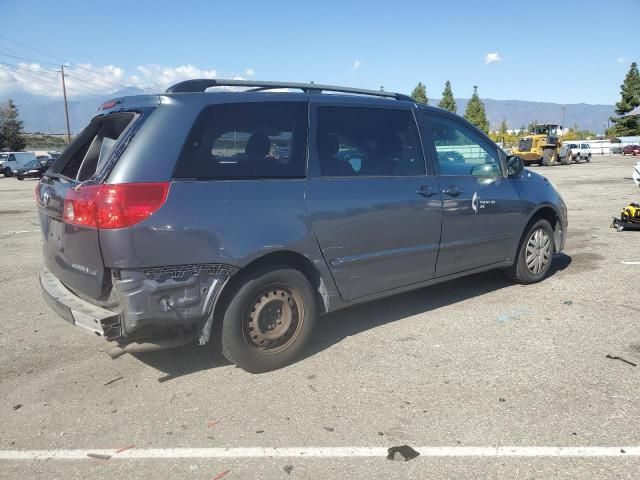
542, 146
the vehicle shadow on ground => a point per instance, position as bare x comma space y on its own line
348, 322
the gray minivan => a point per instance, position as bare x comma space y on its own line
244, 216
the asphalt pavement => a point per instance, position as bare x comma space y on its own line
477, 362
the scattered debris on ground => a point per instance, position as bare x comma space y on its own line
622, 360
128, 447
212, 423
403, 452
113, 381
329, 429
17, 406
568, 302
288, 469
220, 475
517, 314
99, 456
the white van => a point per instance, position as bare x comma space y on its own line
11, 161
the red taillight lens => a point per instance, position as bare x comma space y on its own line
113, 206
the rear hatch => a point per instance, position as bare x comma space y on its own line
71, 245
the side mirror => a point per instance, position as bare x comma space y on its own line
515, 165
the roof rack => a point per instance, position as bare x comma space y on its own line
200, 85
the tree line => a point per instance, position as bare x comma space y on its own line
474, 112
623, 125
11, 135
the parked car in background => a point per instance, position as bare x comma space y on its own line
576, 151
12, 161
616, 149
631, 150
33, 169
156, 232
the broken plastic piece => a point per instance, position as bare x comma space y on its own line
405, 451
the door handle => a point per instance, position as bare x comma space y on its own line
452, 191
425, 191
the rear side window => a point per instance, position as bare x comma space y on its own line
247, 140
362, 141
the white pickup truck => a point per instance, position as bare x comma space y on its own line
576, 151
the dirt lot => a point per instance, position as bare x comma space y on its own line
476, 362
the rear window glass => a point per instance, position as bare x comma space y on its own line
88, 152
247, 140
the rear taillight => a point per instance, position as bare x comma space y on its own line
113, 206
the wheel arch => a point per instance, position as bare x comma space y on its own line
548, 213
280, 259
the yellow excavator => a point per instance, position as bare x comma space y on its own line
542, 146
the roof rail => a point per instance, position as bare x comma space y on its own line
200, 85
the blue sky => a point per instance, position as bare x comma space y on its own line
540, 51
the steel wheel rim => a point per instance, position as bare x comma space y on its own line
538, 251
274, 319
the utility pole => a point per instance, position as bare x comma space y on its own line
66, 108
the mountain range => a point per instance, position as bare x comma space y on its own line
45, 114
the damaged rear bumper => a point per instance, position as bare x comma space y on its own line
77, 311
153, 303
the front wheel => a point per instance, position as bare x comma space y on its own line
20, 178
566, 160
549, 157
535, 254
7, 172
588, 158
269, 320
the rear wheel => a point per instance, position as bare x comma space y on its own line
535, 254
588, 158
566, 160
549, 157
20, 178
269, 320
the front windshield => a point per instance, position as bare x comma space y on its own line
545, 129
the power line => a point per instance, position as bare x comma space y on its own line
69, 64
18, 57
32, 48
48, 82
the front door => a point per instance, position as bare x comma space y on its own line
482, 211
375, 212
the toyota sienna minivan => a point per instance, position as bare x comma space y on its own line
244, 215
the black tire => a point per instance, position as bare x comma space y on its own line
265, 300
20, 178
588, 158
7, 172
566, 160
549, 157
519, 272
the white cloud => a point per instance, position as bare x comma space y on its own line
249, 72
87, 79
621, 59
492, 58
356, 65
